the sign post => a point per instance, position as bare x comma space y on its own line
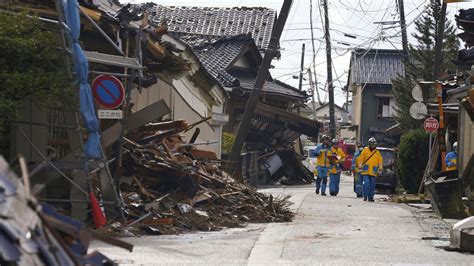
108, 91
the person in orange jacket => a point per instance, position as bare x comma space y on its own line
370, 166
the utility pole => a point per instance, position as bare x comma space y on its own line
332, 122
439, 41
438, 87
403, 27
262, 77
300, 87
312, 94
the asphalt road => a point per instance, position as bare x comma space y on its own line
340, 230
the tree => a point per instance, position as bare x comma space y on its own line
422, 61
32, 68
412, 158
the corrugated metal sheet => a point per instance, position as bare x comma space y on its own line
376, 66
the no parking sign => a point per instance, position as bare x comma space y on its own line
108, 91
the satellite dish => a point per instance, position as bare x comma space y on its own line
417, 93
418, 110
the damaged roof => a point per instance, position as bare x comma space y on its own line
218, 54
247, 82
375, 66
217, 21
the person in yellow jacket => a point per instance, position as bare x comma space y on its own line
338, 158
370, 166
322, 153
356, 173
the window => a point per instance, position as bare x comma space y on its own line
385, 107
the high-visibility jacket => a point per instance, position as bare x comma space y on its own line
370, 162
451, 161
355, 165
321, 153
336, 166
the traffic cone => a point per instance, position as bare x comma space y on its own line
97, 214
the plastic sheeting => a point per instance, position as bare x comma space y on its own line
92, 147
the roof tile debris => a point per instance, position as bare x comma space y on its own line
217, 21
376, 66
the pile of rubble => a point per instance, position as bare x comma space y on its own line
35, 234
170, 186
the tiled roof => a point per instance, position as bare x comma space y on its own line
217, 21
376, 66
247, 82
217, 53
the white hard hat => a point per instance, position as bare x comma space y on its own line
455, 146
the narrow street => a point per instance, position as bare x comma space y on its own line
326, 230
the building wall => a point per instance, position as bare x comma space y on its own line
466, 139
348, 134
323, 114
159, 91
242, 62
369, 118
357, 107
184, 104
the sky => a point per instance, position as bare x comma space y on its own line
354, 17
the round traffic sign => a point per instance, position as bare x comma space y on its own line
108, 91
417, 93
431, 125
418, 110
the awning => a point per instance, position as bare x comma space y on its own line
448, 108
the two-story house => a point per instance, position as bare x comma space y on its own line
370, 81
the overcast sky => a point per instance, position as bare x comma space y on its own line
355, 17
